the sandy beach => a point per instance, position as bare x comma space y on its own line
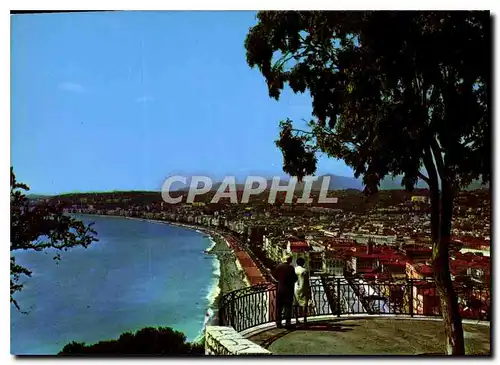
231, 276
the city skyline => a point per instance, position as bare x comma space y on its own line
122, 100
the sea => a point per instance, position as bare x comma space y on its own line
139, 274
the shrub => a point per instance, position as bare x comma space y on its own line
147, 341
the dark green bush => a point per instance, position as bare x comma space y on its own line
147, 341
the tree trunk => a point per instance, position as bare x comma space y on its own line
444, 285
441, 215
449, 309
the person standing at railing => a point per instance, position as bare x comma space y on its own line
302, 290
286, 278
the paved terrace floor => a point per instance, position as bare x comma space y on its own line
372, 336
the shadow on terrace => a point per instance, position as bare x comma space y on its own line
350, 316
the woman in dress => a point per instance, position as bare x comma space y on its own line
302, 289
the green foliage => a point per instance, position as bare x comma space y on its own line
147, 341
39, 227
393, 93
389, 90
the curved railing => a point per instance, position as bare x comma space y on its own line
252, 306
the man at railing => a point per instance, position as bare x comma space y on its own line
286, 277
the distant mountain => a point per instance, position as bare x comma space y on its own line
38, 196
338, 183
388, 183
345, 183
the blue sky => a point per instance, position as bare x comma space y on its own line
119, 101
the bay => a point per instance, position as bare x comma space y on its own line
139, 274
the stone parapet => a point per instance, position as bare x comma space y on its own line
225, 341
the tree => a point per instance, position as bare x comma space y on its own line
147, 341
39, 227
393, 93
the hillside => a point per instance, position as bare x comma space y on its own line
345, 183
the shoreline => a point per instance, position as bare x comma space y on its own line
230, 274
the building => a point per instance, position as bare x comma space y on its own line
479, 272
198, 204
256, 235
333, 264
396, 270
298, 248
366, 237
417, 253
420, 199
472, 250
275, 248
418, 271
266, 242
316, 261
365, 262
425, 299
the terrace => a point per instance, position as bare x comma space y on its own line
350, 316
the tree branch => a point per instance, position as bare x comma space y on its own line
436, 151
434, 193
302, 131
330, 134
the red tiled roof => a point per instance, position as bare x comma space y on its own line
299, 246
418, 249
395, 264
458, 263
299, 249
335, 254
428, 291
365, 270
479, 265
367, 255
471, 242
341, 246
469, 257
423, 269
383, 256
394, 258
423, 284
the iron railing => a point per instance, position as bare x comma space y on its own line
256, 305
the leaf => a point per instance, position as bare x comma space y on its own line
379, 95
31, 222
